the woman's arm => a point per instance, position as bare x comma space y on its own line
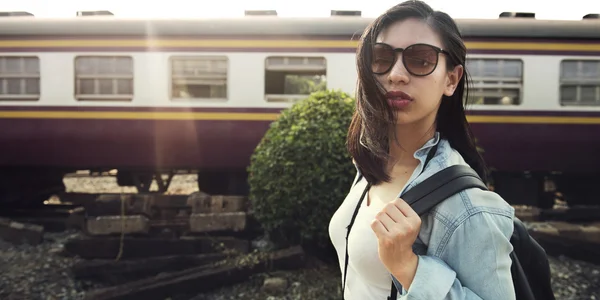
473, 262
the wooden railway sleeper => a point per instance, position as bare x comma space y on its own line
143, 182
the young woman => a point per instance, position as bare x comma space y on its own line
411, 67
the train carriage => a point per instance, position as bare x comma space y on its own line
154, 95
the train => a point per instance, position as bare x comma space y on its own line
149, 97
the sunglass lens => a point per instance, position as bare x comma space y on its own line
420, 59
383, 58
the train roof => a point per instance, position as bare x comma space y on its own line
268, 25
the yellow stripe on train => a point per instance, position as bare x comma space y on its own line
210, 43
223, 116
232, 116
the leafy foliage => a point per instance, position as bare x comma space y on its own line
300, 172
299, 84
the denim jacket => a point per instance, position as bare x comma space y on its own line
464, 245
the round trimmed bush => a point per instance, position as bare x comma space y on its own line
301, 170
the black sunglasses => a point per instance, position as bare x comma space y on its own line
418, 59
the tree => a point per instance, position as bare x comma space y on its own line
301, 170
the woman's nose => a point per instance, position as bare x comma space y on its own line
398, 73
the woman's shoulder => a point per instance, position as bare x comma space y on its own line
469, 202
472, 201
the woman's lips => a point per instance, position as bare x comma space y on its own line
398, 99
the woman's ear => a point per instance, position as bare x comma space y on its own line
452, 79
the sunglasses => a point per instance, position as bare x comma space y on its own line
418, 59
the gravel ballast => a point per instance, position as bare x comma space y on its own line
42, 272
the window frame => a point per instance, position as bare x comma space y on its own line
499, 82
22, 77
290, 68
578, 83
96, 77
174, 58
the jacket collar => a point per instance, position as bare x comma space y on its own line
421, 153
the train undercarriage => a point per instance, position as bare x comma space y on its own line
27, 187
543, 189
32, 186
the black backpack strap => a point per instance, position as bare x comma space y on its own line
358, 174
520, 280
437, 188
530, 270
441, 186
430, 155
358, 177
348, 234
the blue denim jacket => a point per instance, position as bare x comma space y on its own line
464, 245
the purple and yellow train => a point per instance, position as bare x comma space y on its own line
145, 96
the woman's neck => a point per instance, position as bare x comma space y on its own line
410, 138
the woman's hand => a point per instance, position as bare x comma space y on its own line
396, 227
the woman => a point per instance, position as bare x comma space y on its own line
409, 105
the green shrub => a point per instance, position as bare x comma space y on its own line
300, 172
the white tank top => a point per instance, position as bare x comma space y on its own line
367, 277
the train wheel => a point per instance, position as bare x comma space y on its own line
517, 188
525, 189
578, 189
546, 200
29, 187
223, 183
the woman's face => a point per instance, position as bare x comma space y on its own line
424, 93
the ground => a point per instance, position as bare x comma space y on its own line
40, 272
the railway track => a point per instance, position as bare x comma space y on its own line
573, 232
139, 214
144, 246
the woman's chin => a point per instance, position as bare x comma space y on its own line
403, 118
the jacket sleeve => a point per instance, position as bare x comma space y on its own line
472, 263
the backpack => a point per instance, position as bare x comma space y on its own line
530, 268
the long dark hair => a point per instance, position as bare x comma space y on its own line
367, 139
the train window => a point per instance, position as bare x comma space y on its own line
580, 82
104, 78
199, 77
288, 79
495, 81
19, 78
